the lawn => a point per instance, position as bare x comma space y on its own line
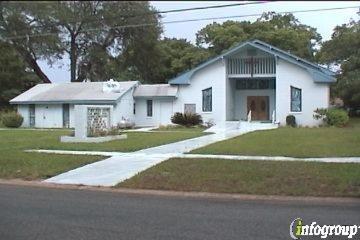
251, 177
294, 142
49, 139
15, 163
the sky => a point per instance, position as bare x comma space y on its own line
324, 21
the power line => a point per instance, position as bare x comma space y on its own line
210, 7
189, 9
166, 11
260, 14
193, 20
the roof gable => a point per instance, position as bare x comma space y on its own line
319, 73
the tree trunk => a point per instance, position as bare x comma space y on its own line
73, 58
34, 65
38, 71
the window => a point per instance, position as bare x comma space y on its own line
149, 104
190, 108
32, 115
207, 100
295, 105
266, 83
134, 108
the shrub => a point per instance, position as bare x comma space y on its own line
209, 124
12, 119
192, 119
178, 118
112, 131
186, 119
337, 117
332, 117
291, 120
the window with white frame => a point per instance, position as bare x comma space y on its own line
149, 108
295, 105
207, 100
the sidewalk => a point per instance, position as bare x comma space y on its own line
120, 167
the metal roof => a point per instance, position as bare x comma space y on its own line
76, 92
318, 73
156, 90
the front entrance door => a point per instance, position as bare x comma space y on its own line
259, 106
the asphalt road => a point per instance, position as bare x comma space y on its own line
43, 213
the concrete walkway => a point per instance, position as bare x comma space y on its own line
120, 167
276, 158
216, 156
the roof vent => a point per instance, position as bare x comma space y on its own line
111, 86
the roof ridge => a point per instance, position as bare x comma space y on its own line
184, 78
290, 54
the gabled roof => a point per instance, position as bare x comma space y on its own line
318, 73
76, 92
156, 90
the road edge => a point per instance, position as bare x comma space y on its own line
170, 193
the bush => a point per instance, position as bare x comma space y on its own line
337, 117
178, 118
332, 117
112, 131
12, 119
191, 119
291, 120
186, 119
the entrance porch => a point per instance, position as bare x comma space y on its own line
251, 99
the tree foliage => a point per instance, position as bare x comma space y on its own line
91, 33
179, 55
344, 49
15, 76
32, 36
281, 30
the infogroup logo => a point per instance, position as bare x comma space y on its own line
298, 229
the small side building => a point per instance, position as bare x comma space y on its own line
52, 105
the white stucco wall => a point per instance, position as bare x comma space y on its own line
124, 108
213, 76
241, 101
23, 110
162, 112
314, 95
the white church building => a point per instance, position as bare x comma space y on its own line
253, 80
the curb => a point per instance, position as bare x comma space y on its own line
200, 195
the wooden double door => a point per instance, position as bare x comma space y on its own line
259, 106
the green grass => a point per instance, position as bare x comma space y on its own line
251, 177
15, 163
44, 139
295, 142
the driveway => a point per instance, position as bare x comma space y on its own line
42, 213
120, 167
